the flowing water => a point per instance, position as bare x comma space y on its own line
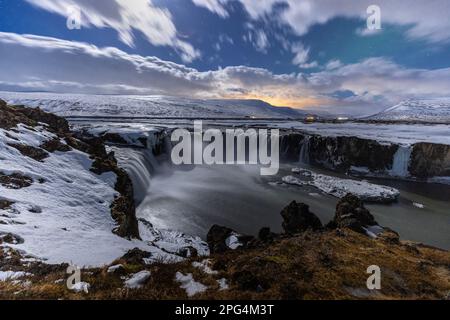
193, 198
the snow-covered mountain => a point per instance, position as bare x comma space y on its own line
431, 110
152, 106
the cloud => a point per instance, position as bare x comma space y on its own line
126, 17
425, 19
215, 6
302, 56
48, 64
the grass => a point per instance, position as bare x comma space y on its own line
328, 265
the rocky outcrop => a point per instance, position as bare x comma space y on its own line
297, 218
122, 208
221, 239
15, 181
430, 160
32, 152
341, 153
351, 213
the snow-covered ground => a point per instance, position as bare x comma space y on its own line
431, 110
339, 187
64, 215
154, 106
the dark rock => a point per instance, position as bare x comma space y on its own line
218, 235
429, 160
11, 238
246, 280
188, 252
351, 213
216, 238
297, 218
3, 103
5, 204
55, 145
265, 235
15, 181
34, 153
113, 138
136, 256
55, 123
123, 209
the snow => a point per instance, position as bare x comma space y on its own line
67, 218
189, 284
139, 106
223, 285
204, 266
81, 287
114, 268
430, 110
339, 187
232, 241
373, 231
12, 275
137, 280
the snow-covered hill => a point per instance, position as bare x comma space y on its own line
153, 106
432, 110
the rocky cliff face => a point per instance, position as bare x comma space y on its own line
122, 208
421, 160
430, 160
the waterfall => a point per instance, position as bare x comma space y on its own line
400, 163
140, 164
304, 150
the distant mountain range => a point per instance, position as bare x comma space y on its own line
431, 110
151, 106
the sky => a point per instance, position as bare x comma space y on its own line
310, 54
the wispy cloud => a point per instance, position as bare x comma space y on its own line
126, 17
48, 64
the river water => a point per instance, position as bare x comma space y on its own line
192, 199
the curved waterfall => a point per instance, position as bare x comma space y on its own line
140, 164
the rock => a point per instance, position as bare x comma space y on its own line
351, 213
34, 153
188, 252
216, 238
55, 123
297, 218
11, 238
15, 181
55, 145
265, 235
113, 137
136, 256
2, 103
221, 239
5, 204
429, 160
